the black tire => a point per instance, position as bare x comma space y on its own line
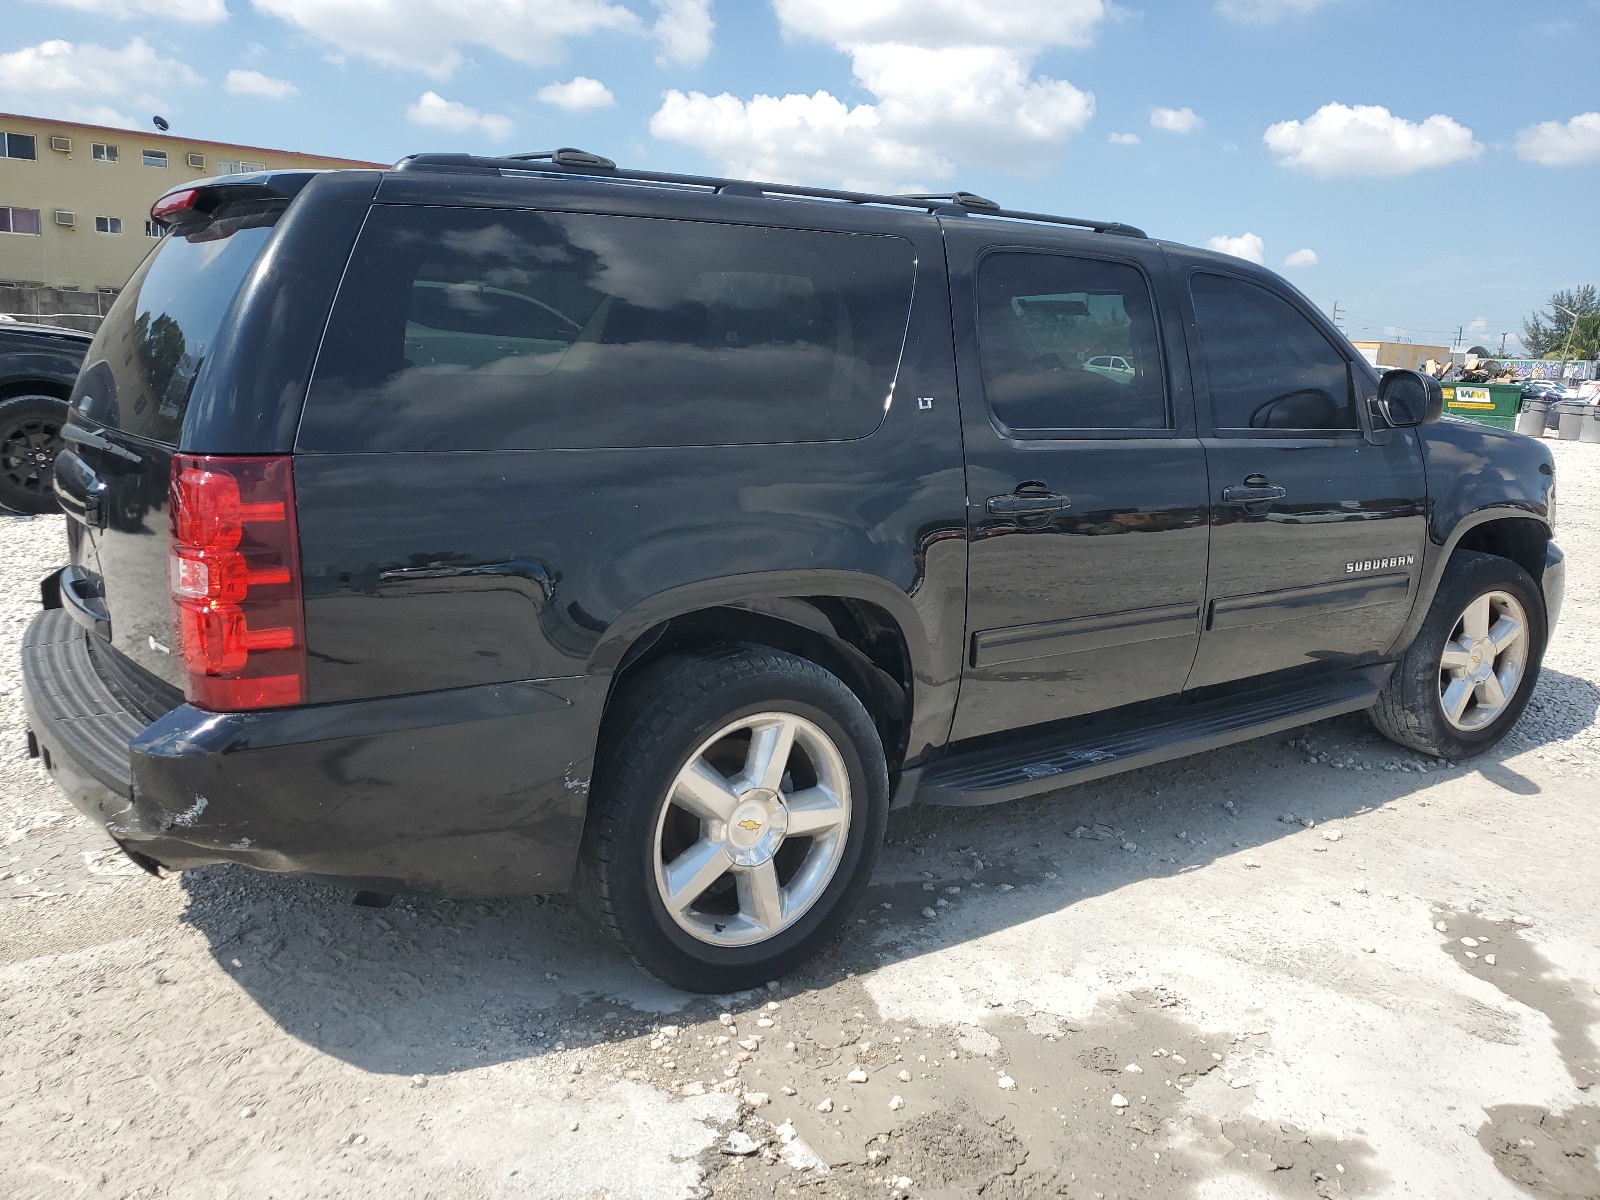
30, 439
655, 724
1409, 709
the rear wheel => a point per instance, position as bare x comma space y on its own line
1468, 675
736, 817
30, 439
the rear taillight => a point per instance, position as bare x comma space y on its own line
234, 564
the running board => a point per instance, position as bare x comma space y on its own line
1043, 764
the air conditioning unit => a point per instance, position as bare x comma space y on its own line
63, 144
63, 217
197, 161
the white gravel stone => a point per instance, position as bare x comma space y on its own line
1118, 1100
739, 1144
896, 1103
825, 1104
857, 1076
1007, 1084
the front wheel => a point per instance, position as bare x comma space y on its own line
1468, 675
30, 439
736, 818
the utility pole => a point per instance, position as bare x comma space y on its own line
1503, 338
1459, 333
1336, 324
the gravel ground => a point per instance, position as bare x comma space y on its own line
1312, 965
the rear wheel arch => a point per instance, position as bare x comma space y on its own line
856, 640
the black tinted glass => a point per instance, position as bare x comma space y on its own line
1069, 343
1267, 365
465, 329
142, 366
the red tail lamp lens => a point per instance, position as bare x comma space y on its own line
234, 566
174, 203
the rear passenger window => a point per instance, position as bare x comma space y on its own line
462, 329
1069, 343
1267, 366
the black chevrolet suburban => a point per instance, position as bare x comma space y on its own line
508, 525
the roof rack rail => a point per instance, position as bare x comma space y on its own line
567, 156
571, 161
964, 199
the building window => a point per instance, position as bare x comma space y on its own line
18, 145
224, 167
104, 153
197, 161
108, 224
154, 229
19, 220
155, 158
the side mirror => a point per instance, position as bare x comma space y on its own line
1409, 398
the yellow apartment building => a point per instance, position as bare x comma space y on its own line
75, 199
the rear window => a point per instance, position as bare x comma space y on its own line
461, 329
150, 348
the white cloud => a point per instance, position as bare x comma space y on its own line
1552, 144
434, 111
951, 81
425, 35
684, 31
1368, 139
1300, 258
254, 83
1264, 12
1478, 325
1247, 246
1124, 139
80, 78
580, 94
1027, 25
1175, 120
794, 137
201, 12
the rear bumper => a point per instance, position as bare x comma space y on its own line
473, 791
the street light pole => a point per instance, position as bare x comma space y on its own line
1572, 329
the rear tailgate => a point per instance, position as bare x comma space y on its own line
182, 362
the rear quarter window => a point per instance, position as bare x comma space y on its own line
471, 329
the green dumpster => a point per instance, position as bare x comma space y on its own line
1491, 403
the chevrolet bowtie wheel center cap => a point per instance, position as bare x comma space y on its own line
757, 828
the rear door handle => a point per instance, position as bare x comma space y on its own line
1028, 504
1254, 490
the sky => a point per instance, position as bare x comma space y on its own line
1427, 166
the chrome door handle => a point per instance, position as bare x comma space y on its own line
1252, 493
1028, 504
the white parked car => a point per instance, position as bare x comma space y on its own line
1112, 366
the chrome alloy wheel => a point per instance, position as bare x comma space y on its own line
1483, 661
752, 829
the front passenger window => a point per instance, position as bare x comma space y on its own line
1267, 366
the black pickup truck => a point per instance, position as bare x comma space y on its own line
38, 366
486, 526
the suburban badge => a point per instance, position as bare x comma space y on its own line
1379, 564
